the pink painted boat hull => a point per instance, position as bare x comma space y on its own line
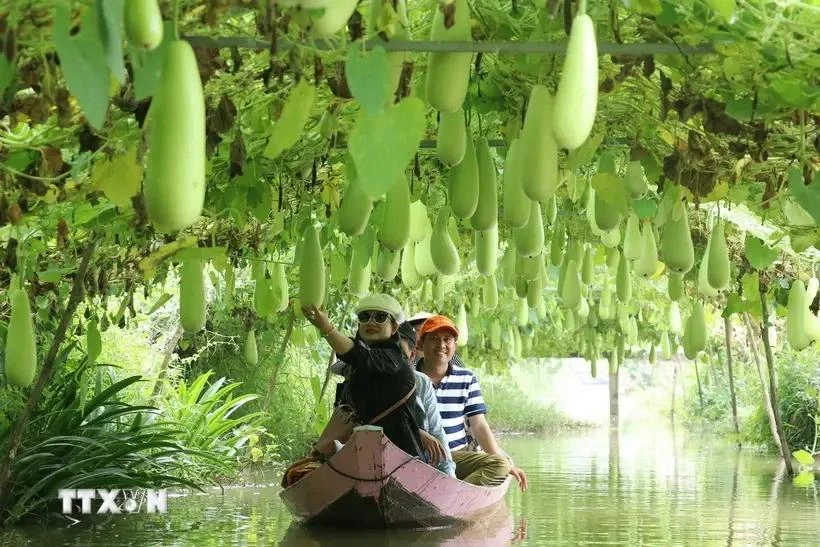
372, 483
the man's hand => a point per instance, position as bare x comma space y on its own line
432, 446
520, 476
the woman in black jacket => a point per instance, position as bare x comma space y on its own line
379, 374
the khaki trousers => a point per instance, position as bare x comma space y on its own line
480, 468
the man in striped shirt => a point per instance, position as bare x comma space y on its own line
462, 406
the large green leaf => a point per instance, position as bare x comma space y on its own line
84, 64
109, 21
808, 196
803, 457
383, 145
366, 73
147, 65
611, 189
291, 123
759, 255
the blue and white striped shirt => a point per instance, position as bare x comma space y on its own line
459, 397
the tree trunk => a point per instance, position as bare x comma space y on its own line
764, 331
727, 327
764, 386
674, 389
166, 361
697, 375
280, 359
614, 420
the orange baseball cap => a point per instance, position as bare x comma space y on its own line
437, 322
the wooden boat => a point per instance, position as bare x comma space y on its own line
372, 483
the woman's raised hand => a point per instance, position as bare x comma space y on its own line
318, 318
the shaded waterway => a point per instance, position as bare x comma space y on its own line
591, 488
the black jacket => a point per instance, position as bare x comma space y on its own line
379, 376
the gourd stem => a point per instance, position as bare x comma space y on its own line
176, 20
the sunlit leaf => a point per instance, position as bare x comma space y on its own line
119, 177
366, 73
149, 264
804, 479
382, 146
290, 125
759, 255
725, 8
83, 62
803, 457
200, 253
159, 303
93, 341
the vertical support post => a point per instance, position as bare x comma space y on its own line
727, 328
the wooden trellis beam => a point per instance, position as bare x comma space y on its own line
502, 48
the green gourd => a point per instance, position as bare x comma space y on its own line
486, 251
174, 183
143, 23
539, 152
410, 277
311, 270
387, 264
529, 240
623, 281
576, 100
674, 286
424, 258
451, 144
355, 208
21, 345
395, 227
718, 272
647, 263
389, 17
632, 238
571, 289
515, 202
463, 185
635, 180
442, 249
666, 346
448, 74
250, 352
587, 265
489, 292
557, 245
192, 313
280, 288
676, 241
796, 331
420, 226
461, 325
358, 280
674, 318
485, 216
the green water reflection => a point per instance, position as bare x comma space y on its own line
639, 488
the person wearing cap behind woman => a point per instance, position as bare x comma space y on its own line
381, 385
425, 410
459, 401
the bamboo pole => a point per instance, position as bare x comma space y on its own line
764, 331
727, 327
429, 46
280, 359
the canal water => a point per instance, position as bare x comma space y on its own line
640, 487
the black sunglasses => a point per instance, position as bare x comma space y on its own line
377, 316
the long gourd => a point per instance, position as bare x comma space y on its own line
576, 101
174, 185
21, 347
